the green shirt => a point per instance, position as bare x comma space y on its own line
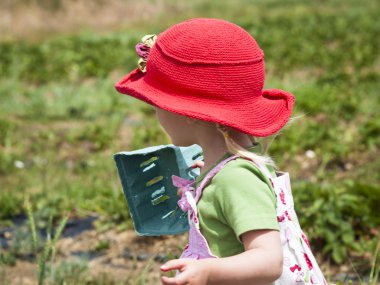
238, 199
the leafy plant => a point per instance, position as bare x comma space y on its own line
337, 218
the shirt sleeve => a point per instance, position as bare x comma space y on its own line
245, 200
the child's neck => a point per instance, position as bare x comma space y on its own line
211, 155
214, 147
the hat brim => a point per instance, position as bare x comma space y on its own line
258, 116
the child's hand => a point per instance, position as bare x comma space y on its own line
193, 272
197, 164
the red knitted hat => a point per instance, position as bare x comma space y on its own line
212, 70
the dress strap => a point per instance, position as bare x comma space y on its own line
263, 169
210, 175
218, 167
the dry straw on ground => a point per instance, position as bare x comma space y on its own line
36, 19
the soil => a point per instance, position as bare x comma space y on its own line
117, 257
113, 257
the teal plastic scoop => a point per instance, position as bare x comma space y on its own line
146, 177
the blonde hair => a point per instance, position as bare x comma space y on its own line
238, 150
233, 147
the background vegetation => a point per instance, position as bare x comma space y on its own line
61, 119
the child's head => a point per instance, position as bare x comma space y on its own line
210, 70
185, 131
179, 128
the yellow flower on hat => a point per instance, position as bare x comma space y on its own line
149, 40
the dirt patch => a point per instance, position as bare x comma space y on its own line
121, 257
117, 257
127, 254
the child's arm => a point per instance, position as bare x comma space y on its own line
261, 263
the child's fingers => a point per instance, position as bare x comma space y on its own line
173, 264
179, 191
198, 163
173, 280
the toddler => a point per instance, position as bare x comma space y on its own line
205, 79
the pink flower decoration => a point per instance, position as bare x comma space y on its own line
143, 50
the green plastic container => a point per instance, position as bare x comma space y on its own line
146, 177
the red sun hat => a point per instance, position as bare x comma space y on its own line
212, 70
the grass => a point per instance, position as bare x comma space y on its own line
375, 269
61, 119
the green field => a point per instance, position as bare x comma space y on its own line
61, 119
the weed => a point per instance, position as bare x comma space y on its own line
375, 269
102, 245
6, 258
49, 247
72, 272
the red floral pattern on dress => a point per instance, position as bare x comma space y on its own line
282, 196
295, 267
309, 264
288, 216
305, 239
